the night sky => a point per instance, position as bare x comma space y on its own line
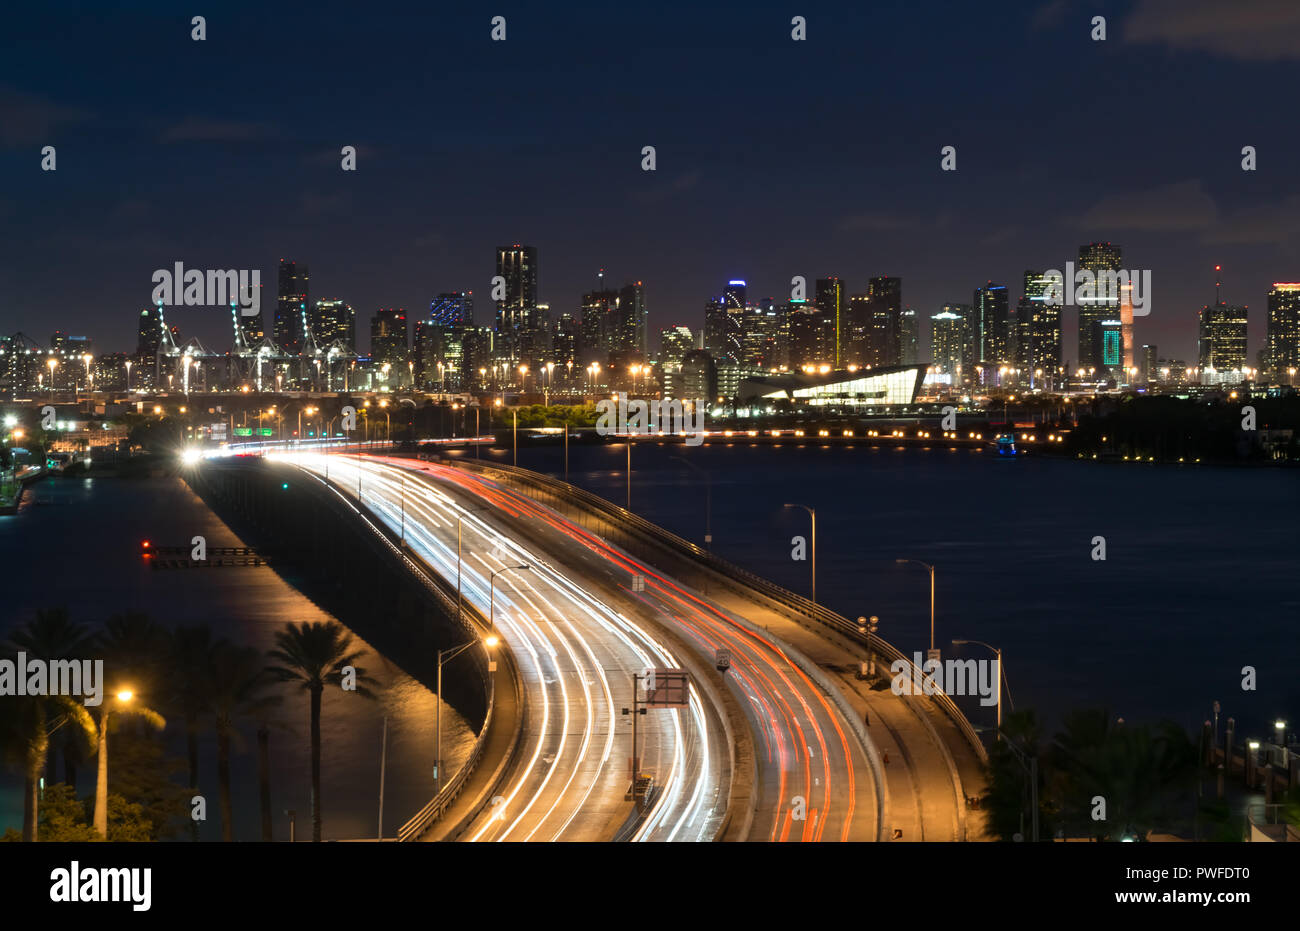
775, 157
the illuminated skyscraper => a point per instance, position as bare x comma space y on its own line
948, 342
516, 321
992, 324
452, 307
1282, 339
1098, 258
1221, 342
388, 341
332, 321
832, 302
291, 306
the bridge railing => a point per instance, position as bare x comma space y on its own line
473, 624
795, 606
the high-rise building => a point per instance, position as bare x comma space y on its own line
566, 344
1150, 363
291, 306
150, 336
1221, 341
675, 342
832, 300
388, 344
762, 331
884, 321
1108, 339
1282, 336
452, 307
628, 336
516, 321
948, 343
992, 330
1098, 258
333, 321
440, 356
909, 330
1037, 350
723, 324
812, 335
599, 316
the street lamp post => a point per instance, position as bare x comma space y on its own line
933, 654
708, 500
444, 656
492, 581
516, 435
813, 514
101, 781
998, 653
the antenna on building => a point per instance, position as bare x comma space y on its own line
1218, 284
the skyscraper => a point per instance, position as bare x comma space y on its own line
948, 342
1221, 341
388, 344
290, 306
599, 311
992, 324
1098, 258
452, 307
884, 321
909, 330
517, 312
812, 335
333, 321
723, 323
832, 300
1038, 322
675, 342
1282, 336
629, 332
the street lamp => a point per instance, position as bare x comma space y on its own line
492, 581
933, 653
101, 780
443, 656
998, 653
813, 515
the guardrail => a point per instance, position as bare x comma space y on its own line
473, 624
794, 606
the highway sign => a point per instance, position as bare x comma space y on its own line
722, 659
668, 688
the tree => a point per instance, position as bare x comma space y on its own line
314, 655
190, 688
240, 690
26, 723
51, 636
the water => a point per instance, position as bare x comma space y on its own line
1199, 579
75, 543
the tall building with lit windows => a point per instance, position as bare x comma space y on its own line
948, 343
388, 344
1282, 335
992, 330
1038, 322
451, 308
517, 316
1221, 342
1098, 258
832, 300
291, 306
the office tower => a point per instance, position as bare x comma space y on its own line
566, 344
452, 307
1282, 337
884, 321
1038, 322
1221, 342
333, 321
1099, 258
832, 300
628, 336
291, 306
948, 342
517, 312
761, 335
1129, 362
723, 323
56, 342
477, 346
909, 331
599, 312
697, 380
1150, 366
388, 342
858, 351
252, 328
149, 338
812, 335
674, 343
991, 330
439, 356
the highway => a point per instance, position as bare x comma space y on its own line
577, 654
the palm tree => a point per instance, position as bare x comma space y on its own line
26, 724
51, 636
314, 655
240, 691
191, 687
